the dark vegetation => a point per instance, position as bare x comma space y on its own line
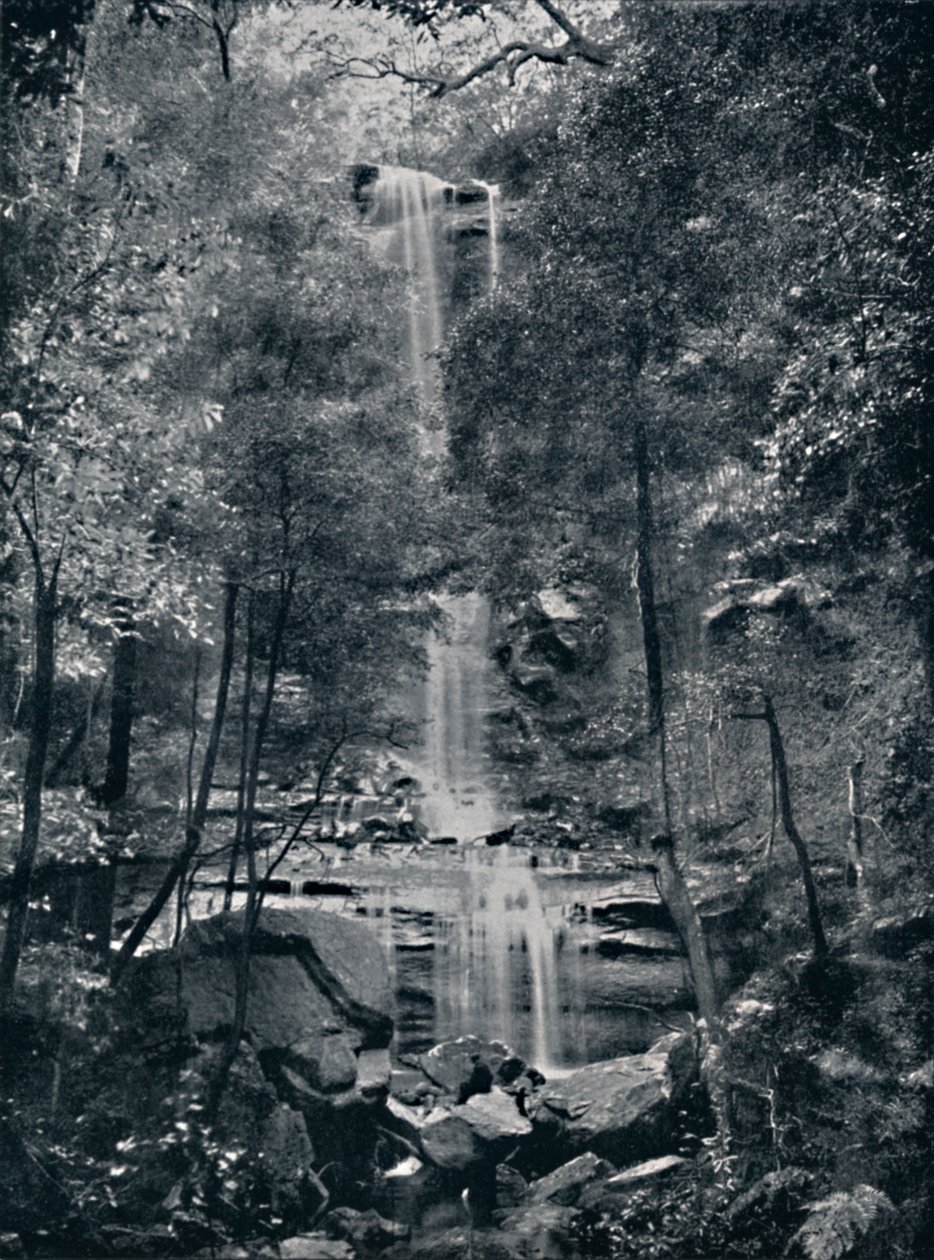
701, 394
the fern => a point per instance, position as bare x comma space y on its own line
835, 1224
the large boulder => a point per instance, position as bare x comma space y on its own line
621, 1109
483, 1129
319, 996
470, 1065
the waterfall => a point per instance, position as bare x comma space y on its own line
495, 969
408, 210
492, 196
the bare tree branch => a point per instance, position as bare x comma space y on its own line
511, 56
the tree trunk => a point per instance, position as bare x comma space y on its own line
253, 903
40, 731
854, 855
244, 756
196, 826
673, 891
645, 582
788, 822
117, 775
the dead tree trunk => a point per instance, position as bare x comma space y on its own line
780, 771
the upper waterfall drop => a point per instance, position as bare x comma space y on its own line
406, 208
414, 216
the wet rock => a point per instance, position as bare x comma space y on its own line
564, 1186
556, 605
620, 1109
745, 595
365, 1231
652, 1172
562, 721
631, 911
453, 1065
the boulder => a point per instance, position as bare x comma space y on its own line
494, 1117
620, 1109
449, 1142
556, 645
651, 1172
458, 1066
319, 994
564, 1186
484, 1128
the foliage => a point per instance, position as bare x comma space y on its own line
834, 1225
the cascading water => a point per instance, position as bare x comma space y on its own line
408, 208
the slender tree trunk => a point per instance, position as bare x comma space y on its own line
645, 582
788, 822
199, 814
674, 892
244, 755
123, 694
854, 856
253, 904
39, 734
670, 881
